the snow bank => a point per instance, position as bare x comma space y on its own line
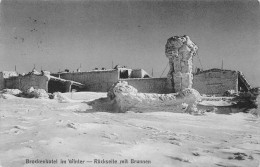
7, 96
61, 98
12, 91
256, 111
127, 98
37, 93
86, 96
220, 103
9, 93
30, 93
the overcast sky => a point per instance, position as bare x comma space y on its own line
64, 34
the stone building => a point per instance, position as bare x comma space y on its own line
210, 82
180, 51
5, 75
102, 80
217, 82
96, 80
37, 80
25, 82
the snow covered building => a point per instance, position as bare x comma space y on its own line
217, 81
211, 82
4, 75
101, 80
37, 80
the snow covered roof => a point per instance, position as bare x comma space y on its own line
8, 74
243, 80
214, 70
64, 80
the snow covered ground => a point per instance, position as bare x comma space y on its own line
34, 130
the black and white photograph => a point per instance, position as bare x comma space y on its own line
129, 83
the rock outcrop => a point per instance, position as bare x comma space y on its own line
180, 51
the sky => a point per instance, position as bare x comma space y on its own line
59, 34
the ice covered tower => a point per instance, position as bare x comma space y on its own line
180, 51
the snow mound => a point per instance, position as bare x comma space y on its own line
37, 93
7, 96
61, 98
12, 91
119, 88
190, 92
127, 97
221, 103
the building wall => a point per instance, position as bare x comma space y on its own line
148, 85
215, 82
125, 72
138, 73
8, 74
98, 81
25, 82
2, 81
4, 75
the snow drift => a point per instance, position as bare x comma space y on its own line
125, 97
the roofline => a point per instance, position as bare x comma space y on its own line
214, 70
